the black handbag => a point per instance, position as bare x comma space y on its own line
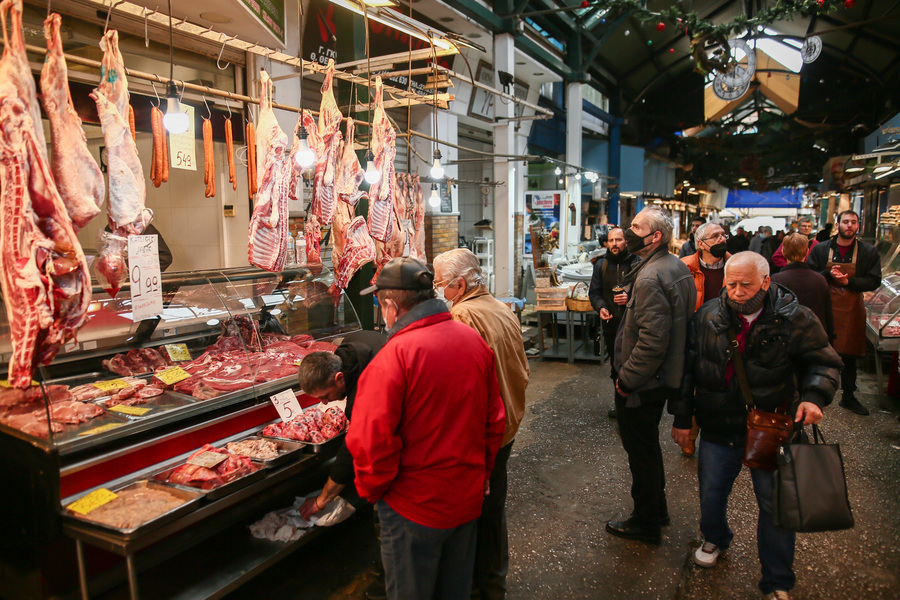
810, 487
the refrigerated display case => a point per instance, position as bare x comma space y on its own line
883, 314
100, 416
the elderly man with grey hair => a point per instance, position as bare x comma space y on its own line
649, 359
789, 366
461, 283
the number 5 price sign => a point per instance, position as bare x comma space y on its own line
287, 406
144, 276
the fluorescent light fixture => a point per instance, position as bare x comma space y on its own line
398, 22
854, 169
888, 172
741, 180
379, 3
882, 167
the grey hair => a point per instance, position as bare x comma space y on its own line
660, 220
749, 258
806, 219
700, 234
460, 262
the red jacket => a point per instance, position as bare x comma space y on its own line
428, 422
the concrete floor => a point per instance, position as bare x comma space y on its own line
568, 477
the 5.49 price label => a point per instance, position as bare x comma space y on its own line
144, 276
182, 146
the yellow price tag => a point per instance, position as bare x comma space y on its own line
92, 501
178, 352
101, 429
5, 383
135, 411
172, 375
297, 364
111, 385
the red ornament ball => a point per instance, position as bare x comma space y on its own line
849, 3
661, 26
820, 2
671, 50
585, 3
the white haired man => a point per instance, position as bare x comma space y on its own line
649, 360
788, 361
460, 282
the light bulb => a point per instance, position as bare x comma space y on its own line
560, 181
175, 121
305, 156
373, 175
437, 171
558, 171
578, 176
434, 200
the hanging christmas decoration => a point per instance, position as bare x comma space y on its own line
671, 50
585, 4
711, 52
849, 3
662, 26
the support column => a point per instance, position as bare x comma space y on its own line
615, 170
504, 172
570, 234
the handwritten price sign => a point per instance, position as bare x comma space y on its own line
144, 275
182, 146
287, 406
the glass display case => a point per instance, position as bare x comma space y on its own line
883, 314
888, 246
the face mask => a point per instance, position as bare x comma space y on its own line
635, 242
439, 293
718, 250
750, 306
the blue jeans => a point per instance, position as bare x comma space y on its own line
717, 468
424, 563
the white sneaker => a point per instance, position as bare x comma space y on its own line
707, 554
778, 595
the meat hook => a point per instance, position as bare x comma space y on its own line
158, 101
228, 106
112, 5
208, 111
49, 2
219, 59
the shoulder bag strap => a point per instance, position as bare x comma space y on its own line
739, 368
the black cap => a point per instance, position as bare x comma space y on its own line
402, 274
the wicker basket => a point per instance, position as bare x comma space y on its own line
579, 305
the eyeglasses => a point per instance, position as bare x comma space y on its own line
718, 236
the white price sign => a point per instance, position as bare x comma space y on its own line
287, 406
182, 146
144, 276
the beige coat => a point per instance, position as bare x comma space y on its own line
497, 324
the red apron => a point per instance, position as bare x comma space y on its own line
849, 310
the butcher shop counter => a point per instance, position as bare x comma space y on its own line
236, 337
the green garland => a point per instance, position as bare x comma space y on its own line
691, 23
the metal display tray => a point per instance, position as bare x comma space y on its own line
288, 450
191, 498
166, 401
309, 446
214, 493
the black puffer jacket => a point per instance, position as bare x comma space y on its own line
787, 356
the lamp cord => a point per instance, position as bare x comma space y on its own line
171, 47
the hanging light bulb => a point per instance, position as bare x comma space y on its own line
437, 170
305, 156
578, 176
373, 176
175, 121
560, 181
558, 171
434, 200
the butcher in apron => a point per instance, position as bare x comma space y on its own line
851, 267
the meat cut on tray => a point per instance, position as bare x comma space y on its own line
205, 478
135, 506
314, 426
138, 361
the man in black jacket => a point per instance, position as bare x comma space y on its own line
329, 377
851, 267
607, 295
788, 362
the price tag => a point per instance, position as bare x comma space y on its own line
111, 385
100, 429
92, 501
144, 277
182, 146
178, 352
172, 375
207, 459
287, 406
135, 411
5, 383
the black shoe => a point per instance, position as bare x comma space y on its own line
612, 413
631, 531
853, 405
665, 521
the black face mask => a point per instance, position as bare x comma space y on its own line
635, 242
718, 250
750, 306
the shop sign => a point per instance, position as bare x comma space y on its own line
270, 12
542, 207
481, 104
446, 198
144, 277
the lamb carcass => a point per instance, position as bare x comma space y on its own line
381, 194
350, 175
267, 248
313, 234
359, 249
45, 280
16, 79
78, 178
417, 247
329, 130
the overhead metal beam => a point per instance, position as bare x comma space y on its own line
870, 35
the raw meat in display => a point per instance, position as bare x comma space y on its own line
409, 206
78, 178
135, 506
417, 247
30, 424
329, 129
260, 449
242, 327
359, 249
335, 417
138, 361
16, 79
87, 392
72, 412
313, 240
230, 469
267, 246
381, 194
45, 281
313, 426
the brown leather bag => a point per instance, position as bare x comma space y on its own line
766, 431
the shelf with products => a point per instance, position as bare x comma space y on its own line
237, 334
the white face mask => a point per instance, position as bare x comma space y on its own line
439, 292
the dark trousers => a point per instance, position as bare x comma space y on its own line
610, 328
492, 549
848, 374
424, 563
639, 429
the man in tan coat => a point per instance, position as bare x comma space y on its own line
460, 282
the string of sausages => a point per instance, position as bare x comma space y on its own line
159, 170
209, 164
229, 147
251, 159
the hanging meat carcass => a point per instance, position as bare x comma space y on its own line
329, 132
359, 249
417, 247
381, 194
350, 175
78, 178
313, 233
267, 247
126, 208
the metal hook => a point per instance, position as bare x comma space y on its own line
49, 2
208, 111
228, 106
269, 60
112, 5
158, 101
219, 59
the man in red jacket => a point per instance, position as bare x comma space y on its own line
427, 425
